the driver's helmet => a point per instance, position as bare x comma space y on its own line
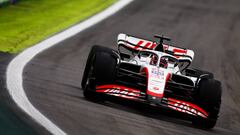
153, 60
163, 63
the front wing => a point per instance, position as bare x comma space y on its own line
137, 95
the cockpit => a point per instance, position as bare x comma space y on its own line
162, 60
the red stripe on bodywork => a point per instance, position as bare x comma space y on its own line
153, 45
147, 45
175, 50
181, 51
168, 76
138, 44
154, 94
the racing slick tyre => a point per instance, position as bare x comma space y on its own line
100, 69
199, 73
209, 98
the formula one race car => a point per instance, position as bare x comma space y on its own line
154, 73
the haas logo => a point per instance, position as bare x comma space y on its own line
186, 108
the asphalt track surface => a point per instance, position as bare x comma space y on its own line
10, 122
210, 27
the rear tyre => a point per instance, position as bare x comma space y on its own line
100, 69
209, 98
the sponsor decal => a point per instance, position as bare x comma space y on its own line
156, 82
120, 91
186, 107
156, 73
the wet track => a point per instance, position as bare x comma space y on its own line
210, 27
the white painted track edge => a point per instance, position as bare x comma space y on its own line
16, 66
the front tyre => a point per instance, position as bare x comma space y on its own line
209, 98
100, 69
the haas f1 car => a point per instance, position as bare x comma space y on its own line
155, 73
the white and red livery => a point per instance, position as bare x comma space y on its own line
155, 73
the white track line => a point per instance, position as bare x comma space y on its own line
16, 66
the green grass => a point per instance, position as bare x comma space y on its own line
31, 21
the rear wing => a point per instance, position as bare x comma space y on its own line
184, 56
138, 44
135, 43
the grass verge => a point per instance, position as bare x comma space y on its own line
31, 21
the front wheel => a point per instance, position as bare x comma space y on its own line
100, 69
209, 98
